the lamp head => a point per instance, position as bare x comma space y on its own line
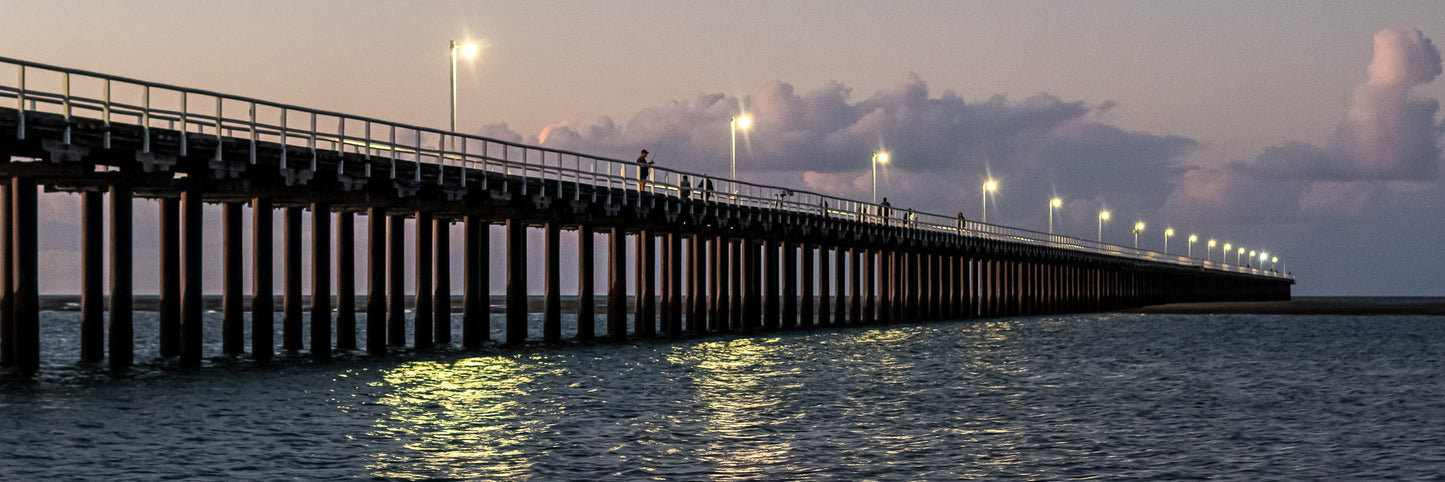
1139, 226
1168, 232
881, 157
1193, 238
742, 121
1103, 215
1211, 243
1056, 202
990, 186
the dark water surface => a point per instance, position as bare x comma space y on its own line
1241, 397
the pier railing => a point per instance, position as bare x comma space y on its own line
73, 93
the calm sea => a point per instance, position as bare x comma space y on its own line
1114, 396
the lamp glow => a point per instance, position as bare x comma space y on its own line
1103, 216
1053, 204
988, 187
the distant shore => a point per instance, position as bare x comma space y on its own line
1294, 307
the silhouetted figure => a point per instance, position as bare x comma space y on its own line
684, 187
886, 210
705, 185
912, 219
961, 222
644, 167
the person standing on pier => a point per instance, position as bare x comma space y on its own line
643, 169
887, 211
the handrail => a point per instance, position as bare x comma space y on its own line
410, 144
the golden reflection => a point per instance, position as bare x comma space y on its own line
456, 420
742, 386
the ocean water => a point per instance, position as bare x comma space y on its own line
1113, 396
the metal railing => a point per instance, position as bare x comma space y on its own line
150, 105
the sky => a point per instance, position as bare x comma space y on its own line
1310, 130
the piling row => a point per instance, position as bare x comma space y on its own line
698, 265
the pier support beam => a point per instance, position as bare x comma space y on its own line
790, 284
263, 303
771, 316
320, 281
477, 304
421, 314
644, 315
25, 286
169, 311
617, 284
375, 281
696, 282
345, 281
291, 277
396, 280
736, 273
717, 270
442, 282
855, 282
516, 281
824, 287
122, 328
233, 327
552, 284
7, 277
869, 303
806, 303
885, 286
673, 326
192, 309
586, 266
92, 273
840, 286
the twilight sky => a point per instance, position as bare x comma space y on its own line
1308, 130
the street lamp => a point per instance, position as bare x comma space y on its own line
1167, 233
1054, 204
1272, 261
1238, 255
1210, 252
1103, 216
988, 187
467, 51
1139, 226
878, 157
1192, 239
737, 122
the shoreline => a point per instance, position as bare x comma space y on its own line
1292, 307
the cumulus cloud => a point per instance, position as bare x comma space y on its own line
941, 144
1387, 133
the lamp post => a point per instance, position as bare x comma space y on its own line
1103, 216
1167, 233
1053, 204
878, 157
1192, 239
468, 50
988, 187
1224, 255
1209, 253
737, 122
1272, 261
1238, 255
1139, 226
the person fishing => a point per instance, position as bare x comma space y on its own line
644, 167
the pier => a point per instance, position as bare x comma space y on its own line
735, 258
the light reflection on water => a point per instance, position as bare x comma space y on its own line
1117, 396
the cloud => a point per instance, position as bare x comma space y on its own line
1387, 133
941, 144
